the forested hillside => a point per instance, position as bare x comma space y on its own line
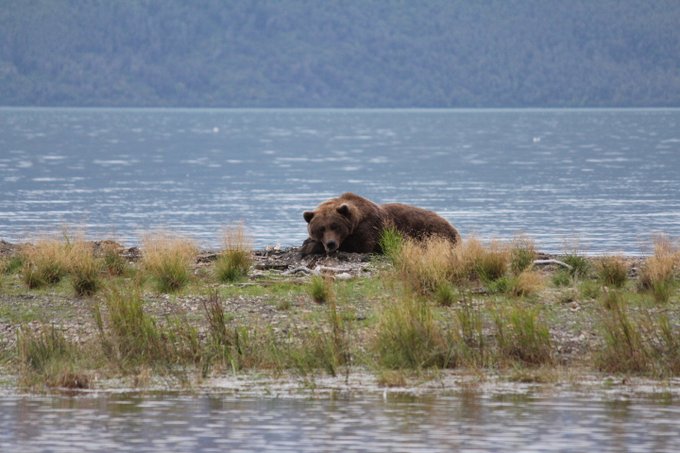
323, 53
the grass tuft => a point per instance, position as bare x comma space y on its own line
562, 278
658, 271
112, 258
130, 335
612, 271
580, 266
610, 299
391, 243
47, 358
590, 289
320, 288
624, 348
10, 264
465, 257
408, 337
522, 336
168, 259
44, 263
522, 255
426, 265
84, 268
332, 347
527, 283
446, 295
235, 260
492, 262
667, 346
472, 344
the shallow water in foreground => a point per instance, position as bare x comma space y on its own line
461, 422
607, 179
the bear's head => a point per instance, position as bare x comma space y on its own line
329, 225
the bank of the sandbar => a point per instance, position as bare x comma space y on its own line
346, 323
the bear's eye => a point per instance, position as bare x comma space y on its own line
334, 227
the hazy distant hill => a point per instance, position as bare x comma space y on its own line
361, 53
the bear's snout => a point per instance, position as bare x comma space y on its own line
331, 246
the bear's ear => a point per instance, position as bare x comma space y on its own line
308, 215
343, 209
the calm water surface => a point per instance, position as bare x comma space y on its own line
457, 423
605, 179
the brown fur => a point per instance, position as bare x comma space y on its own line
351, 223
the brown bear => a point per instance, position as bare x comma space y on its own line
351, 223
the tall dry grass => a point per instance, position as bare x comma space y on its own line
527, 283
659, 271
466, 260
432, 265
84, 268
426, 265
44, 263
493, 262
168, 259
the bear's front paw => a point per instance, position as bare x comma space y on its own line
311, 247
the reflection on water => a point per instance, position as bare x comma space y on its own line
465, 422
605, 178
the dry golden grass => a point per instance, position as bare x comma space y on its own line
426, 265
44, 263
168, 258
433, 263
465, 257
492, 263
235, 238
527, 283
659, 270
83, 267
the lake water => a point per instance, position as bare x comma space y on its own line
599, 180
469, 422
607, 179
